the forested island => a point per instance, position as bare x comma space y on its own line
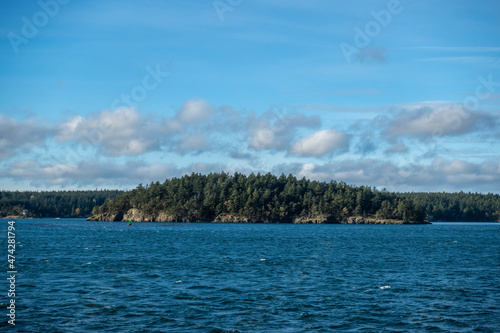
34, 204
220, 197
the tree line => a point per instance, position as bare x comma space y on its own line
269, 198
52, 203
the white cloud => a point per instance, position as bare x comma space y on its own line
307, 170
172, 125
274, 130
439, 175
429, 121
453, 167
191, 143
195, 111
21, 135
399, 147
125, 131
91, 174
263, 138
119, 132
320, 143
86, 150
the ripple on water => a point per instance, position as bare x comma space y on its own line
257, 278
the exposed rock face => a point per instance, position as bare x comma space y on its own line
315, 219
355, 220
162, 217
136, 215
228, 218
106, 217
371, 220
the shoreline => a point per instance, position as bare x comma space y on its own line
134, 215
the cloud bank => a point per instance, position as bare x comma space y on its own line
410, 147
320, 143
22, 135
425, 122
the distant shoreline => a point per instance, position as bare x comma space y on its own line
133, 215
42, 217
18, 217
394, 222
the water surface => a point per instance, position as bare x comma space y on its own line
78, 276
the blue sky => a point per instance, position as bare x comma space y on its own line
403, 95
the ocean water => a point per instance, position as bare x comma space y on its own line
78, 276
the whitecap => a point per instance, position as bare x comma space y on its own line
178, 281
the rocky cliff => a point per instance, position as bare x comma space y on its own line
136, 215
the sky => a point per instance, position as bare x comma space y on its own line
402, 95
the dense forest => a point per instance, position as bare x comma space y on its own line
52, 203
458, 207
255, 198
267, 198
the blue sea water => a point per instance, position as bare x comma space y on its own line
78, 276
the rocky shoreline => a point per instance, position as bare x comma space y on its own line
16, 217
134, 215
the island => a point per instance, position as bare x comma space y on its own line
256, 198
38, 204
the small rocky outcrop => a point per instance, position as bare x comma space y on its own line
138, 216
163, 217
371, 220
109, 217
315, 219
228, 218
